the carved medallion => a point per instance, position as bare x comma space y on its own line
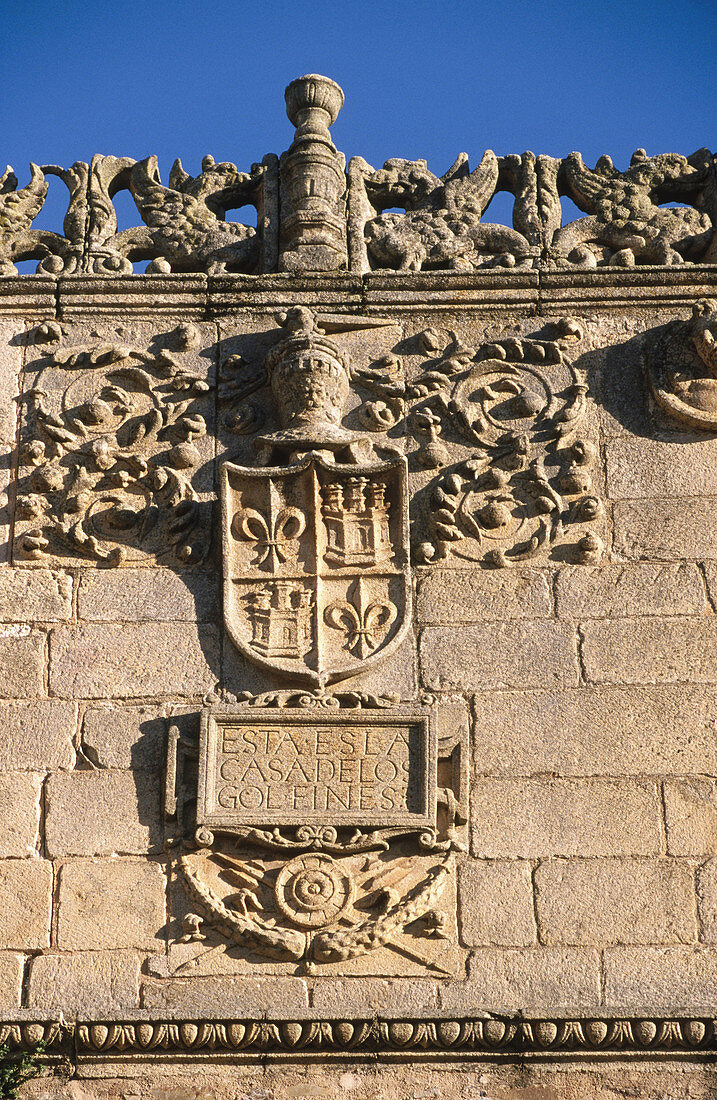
681, 368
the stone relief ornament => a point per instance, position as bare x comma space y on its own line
681, 368
516, 410
315, 549
627, 224
313, 830
113, 439
313, 215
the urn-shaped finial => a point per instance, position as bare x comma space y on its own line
312, 104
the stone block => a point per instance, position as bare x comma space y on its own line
618, 590
508, 979
11, 971
125, 737
229, 997
707, 900
667, 729
530, 818
691, 816
89, 984
609, 901
499, 655
651, 650
91, 813
112, 904
478, 595
20, 817
496, 903
375, 997
118, 661
25, 900
38, 735
665, 530
22, 662
34, 595
669, 977
640, 467
147, 595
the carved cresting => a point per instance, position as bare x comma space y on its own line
314, 216
317, 580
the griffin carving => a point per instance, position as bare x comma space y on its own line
626, 224
442, 225
184, 230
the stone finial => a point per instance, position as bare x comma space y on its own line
313, 103
313, 181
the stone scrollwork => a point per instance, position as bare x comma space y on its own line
526, 486
681, 367
113, 439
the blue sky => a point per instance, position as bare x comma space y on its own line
422, 79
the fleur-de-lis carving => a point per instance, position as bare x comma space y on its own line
272, 537
362, 623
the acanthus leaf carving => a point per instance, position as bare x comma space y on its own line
110, 443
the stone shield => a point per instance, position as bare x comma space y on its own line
316, 565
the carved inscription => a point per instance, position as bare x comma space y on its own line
257, 770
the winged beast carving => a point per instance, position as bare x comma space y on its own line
627, 224
442, 226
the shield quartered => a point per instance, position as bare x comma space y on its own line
316, 565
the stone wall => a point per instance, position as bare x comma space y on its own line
558, 419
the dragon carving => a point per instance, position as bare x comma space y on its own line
442, 225
184, 228
626, 224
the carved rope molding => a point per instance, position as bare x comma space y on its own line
314, 215
458, 1038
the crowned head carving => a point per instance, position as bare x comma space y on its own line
309, 377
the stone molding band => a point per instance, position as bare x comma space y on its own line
451, 1038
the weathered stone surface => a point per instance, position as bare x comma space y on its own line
707, 900
496, 903
639, 468
115, 903
25, 893
499, 655
587, 902
88, 984
374, 996
34, 595
147, 595
229, 997
710, 571
116, 661
125, 737
666, 530
20, 818
651, 650
691, 816
640, 977
11, 971
502, 980
102, 812
565, 817
614, 591
470, 595
22, 659
38, 735
665, 729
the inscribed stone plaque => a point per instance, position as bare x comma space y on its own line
297, 768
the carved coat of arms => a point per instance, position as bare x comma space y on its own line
315, 547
